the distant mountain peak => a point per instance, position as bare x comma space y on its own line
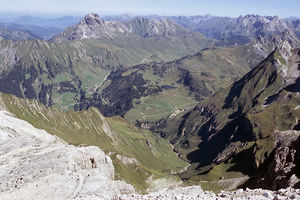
283, 42
92, 26
12, 34
92, 19
288, 37
145, 27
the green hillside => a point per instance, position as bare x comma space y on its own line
150, 92
137, 154
233, 133
57, 73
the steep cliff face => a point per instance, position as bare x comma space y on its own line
153, 27
91, 26
281, 169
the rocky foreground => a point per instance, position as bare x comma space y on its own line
37, 165
195, 192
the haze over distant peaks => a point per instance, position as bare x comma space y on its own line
154, 27
92, 26
11, 34
60, 22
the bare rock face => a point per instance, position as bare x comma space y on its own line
253, 24
91, 26
153, 27
37, 165
284, 42
195, 192
283, 170
288, 36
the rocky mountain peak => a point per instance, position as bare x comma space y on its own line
254, 25
92, 20
288, 36
154, 27
92, 26
285, 42
141, 19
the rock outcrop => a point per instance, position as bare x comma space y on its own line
254, 24
262, 46
36, 165
153, 27
91, 26
195, 192
283, 170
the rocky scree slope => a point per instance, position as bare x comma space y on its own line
240, 128
195, 192
36, 165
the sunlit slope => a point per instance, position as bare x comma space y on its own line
236, 131
149, 92
56, 73
137, 154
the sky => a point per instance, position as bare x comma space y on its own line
231, 8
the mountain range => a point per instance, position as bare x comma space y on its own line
39, 28
61, 22
81, 65
145, 92
246, 124
241, 30
11, 34
92, 26
211, 101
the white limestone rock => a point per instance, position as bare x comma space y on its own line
37, 165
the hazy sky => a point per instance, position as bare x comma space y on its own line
283, 8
